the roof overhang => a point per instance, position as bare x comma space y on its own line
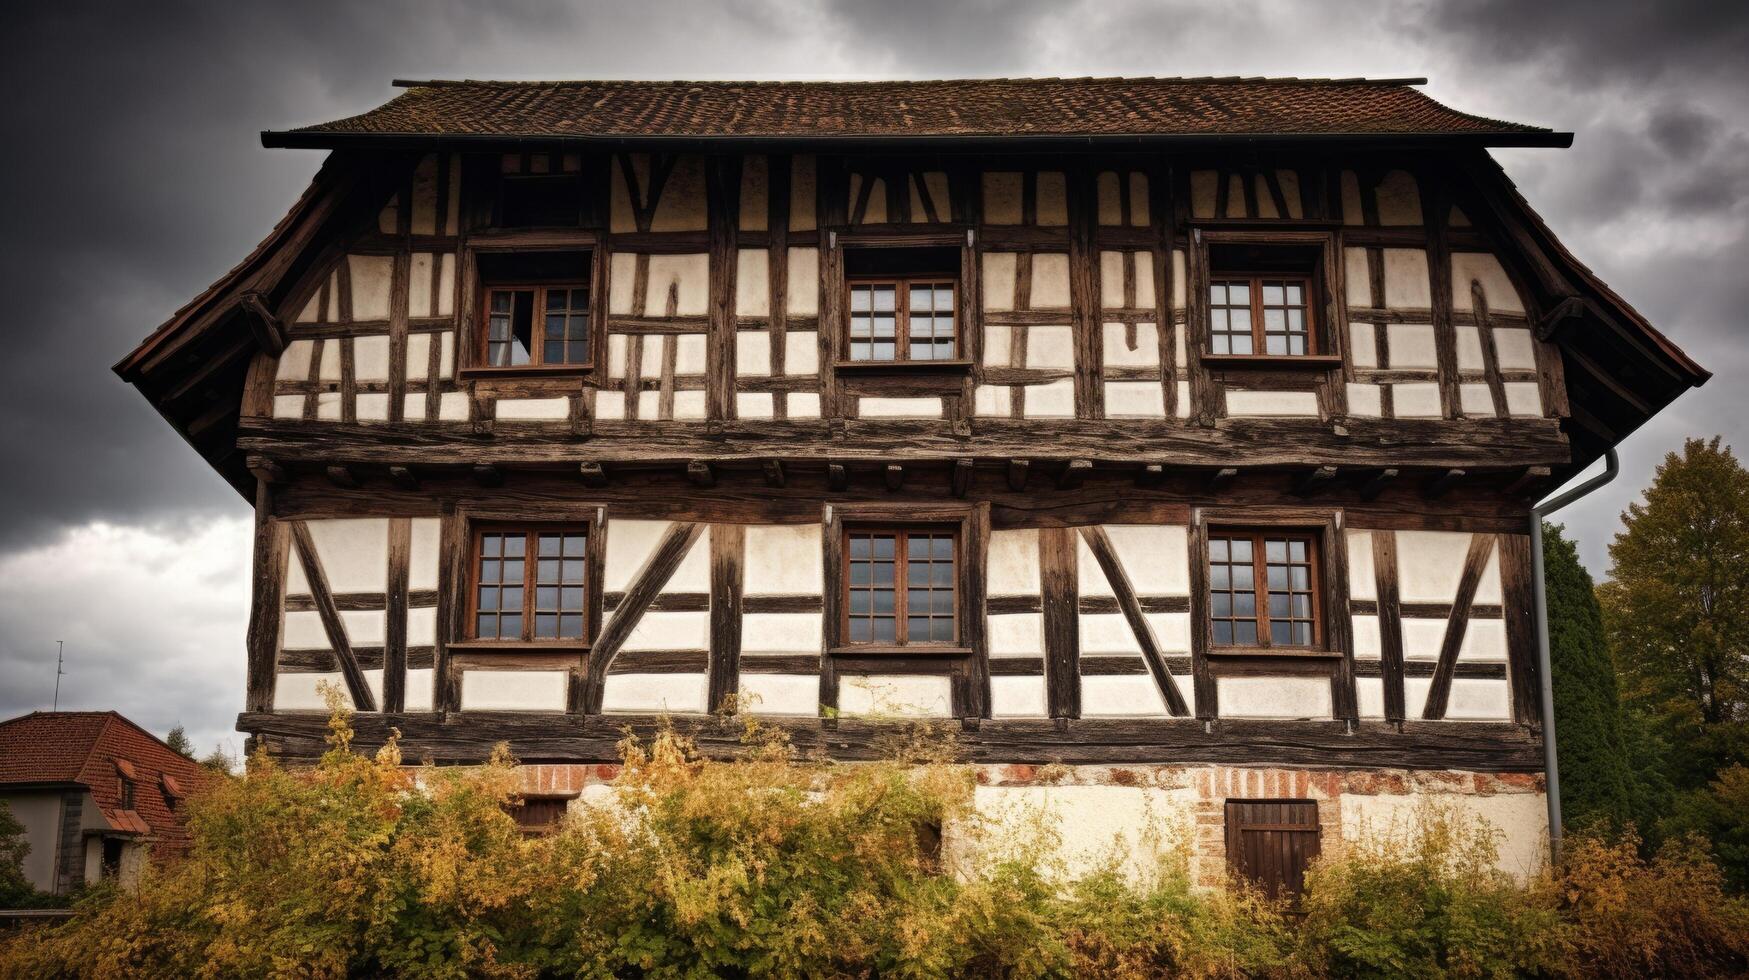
1034, 143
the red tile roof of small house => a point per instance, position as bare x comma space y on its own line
959, 109
95, 749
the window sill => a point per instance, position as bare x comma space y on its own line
902, 367
519, 646
531, 371
1285, 653
1273, 362
891, 650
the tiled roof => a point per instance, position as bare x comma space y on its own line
94, 749
967, 108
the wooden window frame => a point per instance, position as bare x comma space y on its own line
902, 319
543, 829
531, 532
901, 564
1326, 305
1254, 282
1259, 536
537, 353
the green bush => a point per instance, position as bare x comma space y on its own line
773, 866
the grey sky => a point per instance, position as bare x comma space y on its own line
133, 177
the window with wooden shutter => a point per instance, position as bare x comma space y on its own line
1272, 843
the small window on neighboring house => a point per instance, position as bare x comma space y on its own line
538, 815
127, 793
535, 310
111, 857
1263, 589
125, 776
900, 586
172, 790
528, 583
1264, 301
903, 304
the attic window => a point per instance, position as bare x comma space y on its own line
540, 190
535, 310
1264, 301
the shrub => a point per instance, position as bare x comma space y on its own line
775, 866
1427, 902
1626, 916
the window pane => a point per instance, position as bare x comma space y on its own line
884, 298
861, 298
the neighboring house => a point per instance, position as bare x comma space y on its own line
95, 792
1180, 431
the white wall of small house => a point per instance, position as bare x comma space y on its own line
39, 811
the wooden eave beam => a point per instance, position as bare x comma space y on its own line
592, 474
1377, 483
1074, 474
342, 476
404, 477
894, 477
700, 474
1314, 482
1440, 484
774, 475
269, 333
961, 477
1017, 472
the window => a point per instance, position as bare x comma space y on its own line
127, 793
902, 320
1263, 300
528, 584
1260, 315
535, 310
539, 815
1273, 843
900, 586
563, 325
903, 304
1263, 589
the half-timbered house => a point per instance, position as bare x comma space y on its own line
1181, 432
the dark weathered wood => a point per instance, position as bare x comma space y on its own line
723, 214
1475, 563
1362, 443
1062, 635
488, 475
1074, 474
1518, 607
700, 474
1313, 482
962, 476
1202, 678
893, 475
1115, 576
837, 476
1436, 214
395, 599
728, 546
773, 473
1384, 563
1440, 484
1219, 479
1529, 481
593, 475
470, 736
403, 477
1017, 472
266, 600
452, 607
268, 331
343, 477
655, 574
1377, 482
266, 470
362, 698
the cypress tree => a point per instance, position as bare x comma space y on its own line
1596, 779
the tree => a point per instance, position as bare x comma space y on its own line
179, 743
1596, 781
1677, 608
15, 889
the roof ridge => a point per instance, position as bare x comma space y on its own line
1014, 80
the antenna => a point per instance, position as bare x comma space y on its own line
60, 647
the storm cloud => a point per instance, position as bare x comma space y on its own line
134, 177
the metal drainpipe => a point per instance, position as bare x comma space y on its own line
1540, 597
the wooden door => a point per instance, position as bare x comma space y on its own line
1272, 842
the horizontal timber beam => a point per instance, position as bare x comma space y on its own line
555, 737
1476, 444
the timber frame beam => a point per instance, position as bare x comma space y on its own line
468, 737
